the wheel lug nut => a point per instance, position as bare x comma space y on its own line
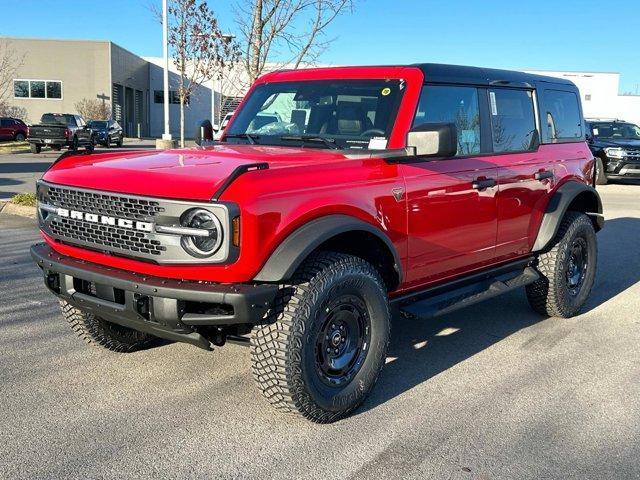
333, 325
336, 350
342, 340
328, 350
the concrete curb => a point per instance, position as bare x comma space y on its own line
8, 208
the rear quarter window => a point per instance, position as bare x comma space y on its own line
561, 117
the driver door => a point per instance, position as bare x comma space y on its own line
452, 211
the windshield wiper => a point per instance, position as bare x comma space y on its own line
249, 136
329, 142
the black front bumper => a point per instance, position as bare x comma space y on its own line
623, 169
172, 309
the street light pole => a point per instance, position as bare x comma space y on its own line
165, 52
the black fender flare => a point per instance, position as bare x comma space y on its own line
295, 248
558, 206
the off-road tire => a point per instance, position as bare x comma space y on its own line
601, 177
283, 347
19, 137
90, 147
119, 143
98, 332
35, 148
550, 295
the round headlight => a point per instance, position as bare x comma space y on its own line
209, 238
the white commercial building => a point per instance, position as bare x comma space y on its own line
600, 95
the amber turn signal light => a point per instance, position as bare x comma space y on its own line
236, 231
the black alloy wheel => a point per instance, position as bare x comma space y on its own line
343, 340
577, 265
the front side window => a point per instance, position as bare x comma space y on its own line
458, 105
513, 121
562, 116
615, 130
322, 114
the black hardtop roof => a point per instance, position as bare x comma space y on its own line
442, 73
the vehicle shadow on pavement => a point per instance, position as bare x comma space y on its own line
23, 167
421, 349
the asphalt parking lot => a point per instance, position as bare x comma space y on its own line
494, 391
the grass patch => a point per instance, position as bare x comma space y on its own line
24, 199
14, 147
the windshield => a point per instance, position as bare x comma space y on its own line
98, 124
53, 118
627, 131
339, 113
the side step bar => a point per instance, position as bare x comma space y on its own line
441, 300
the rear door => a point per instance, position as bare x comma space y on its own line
525, 173
452, 214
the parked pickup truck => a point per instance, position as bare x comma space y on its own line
427, 188
57, 130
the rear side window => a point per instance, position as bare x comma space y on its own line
458, 105
561, 117
513, 120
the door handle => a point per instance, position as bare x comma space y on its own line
543, 175
483, 183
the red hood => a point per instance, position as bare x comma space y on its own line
188, 174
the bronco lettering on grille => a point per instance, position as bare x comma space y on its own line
105, 220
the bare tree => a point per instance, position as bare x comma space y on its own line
93, 109
200, 50
10, 63
296, 26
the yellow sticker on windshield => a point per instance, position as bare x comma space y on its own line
386, 91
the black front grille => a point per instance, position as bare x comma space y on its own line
105, 236
104, 204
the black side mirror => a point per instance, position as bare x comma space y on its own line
434, 140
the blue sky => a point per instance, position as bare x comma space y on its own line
534, 34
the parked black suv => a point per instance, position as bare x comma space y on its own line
616, 146
106, 132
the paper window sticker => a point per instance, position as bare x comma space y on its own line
494, 105
378, 143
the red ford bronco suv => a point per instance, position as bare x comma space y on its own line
426, 187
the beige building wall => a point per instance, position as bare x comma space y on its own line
83, 67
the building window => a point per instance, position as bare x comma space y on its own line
51, 89
54, 90
21, 88
587, 98
174, 97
